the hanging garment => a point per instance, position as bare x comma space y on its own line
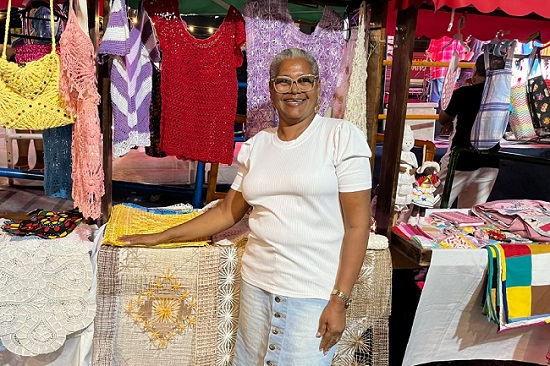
155, 109
198, 85
356, 106
30, 93
494, 112
58, 161
269, 30
131, 82
450, 81
338, 103
78, 85
28, 52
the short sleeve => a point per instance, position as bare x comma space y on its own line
243, 162
237, 20
352, 159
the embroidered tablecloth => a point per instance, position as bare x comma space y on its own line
180, 307
167, 306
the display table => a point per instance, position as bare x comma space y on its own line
180, 307
449, 324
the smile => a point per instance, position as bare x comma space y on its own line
294, 101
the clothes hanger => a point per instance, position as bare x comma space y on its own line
498, 46
458, 36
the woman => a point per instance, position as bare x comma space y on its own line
308, 182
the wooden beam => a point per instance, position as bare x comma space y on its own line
375, 69
397, 107
106, 118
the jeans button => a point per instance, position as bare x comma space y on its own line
272, 347
277, 299
275, 331
277, 315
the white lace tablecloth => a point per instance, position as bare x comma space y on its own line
45, 291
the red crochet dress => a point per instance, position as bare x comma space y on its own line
198, 84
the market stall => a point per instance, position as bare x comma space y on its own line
137, 286
406, 25
459, 330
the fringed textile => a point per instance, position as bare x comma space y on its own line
78, 85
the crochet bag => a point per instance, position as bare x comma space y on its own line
494, 112
30, 92
520, 117
538, 98
521, 121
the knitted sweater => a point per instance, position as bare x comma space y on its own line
296, 223
198, 84
269, 30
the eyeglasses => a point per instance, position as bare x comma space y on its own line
304, 83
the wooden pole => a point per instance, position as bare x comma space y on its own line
397, 108
376, 52
106, 117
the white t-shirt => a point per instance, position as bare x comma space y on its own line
296, 222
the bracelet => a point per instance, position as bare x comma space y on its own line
343, 296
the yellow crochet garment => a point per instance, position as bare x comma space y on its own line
128, 220
30, 92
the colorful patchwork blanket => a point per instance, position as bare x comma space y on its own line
518, 285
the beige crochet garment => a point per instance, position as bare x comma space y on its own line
356, 104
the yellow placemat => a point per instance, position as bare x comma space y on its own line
128, 221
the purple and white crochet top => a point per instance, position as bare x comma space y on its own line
269, 30
131, 77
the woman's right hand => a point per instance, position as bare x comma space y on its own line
147, 240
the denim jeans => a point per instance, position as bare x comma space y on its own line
276, 330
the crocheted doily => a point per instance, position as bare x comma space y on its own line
45, 287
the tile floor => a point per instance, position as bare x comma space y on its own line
135, 167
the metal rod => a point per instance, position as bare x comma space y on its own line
467, 65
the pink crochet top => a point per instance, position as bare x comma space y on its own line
78, 85
198, 84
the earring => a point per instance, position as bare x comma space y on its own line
317, 108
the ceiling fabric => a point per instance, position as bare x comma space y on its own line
510, 7
302, 13
433, 24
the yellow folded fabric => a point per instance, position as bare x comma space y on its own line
128, 220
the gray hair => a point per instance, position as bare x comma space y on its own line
292, 53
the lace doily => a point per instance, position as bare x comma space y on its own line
45, 287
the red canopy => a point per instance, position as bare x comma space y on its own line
510, 7
434, 25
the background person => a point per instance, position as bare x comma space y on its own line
474, 178
308, 183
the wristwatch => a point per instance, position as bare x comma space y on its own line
343, 296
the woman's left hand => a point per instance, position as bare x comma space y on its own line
331, 324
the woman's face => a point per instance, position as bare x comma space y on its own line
295, 106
